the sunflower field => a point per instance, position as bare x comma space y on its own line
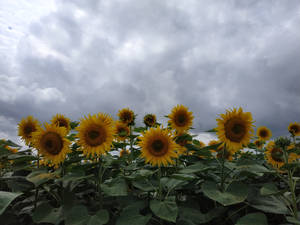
100, 171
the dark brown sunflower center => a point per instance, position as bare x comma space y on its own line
62, 123
149, 121
126, 117
95, 136
295, 128
263, 133
122, 132
277, 155
235, 130
181, 119
158, 148
28, 129
52, 143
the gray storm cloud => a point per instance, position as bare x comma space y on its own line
85, 57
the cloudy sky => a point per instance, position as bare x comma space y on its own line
77, 57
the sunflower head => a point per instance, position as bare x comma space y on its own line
294, 129
150, 120
264, 133
127, 116
124, 152
158, 147
181, 141
235, 128
51, 143
26, 127
61, 121
122, 131
258, 143
180, 118
95, 134
224, 153
274, 155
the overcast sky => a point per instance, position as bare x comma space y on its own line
77, 57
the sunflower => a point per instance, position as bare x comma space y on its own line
122, 131
181, 145
224, 153
150, 120
202, 144
51, 143
294, 129
124, 152
158, 147
274, 155
61, 121
180, 118
26, 127
258, 143
235, 128
95, 134
213, 142
264, 133
127, 116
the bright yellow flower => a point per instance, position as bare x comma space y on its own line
264, 133
61, 121
95, 134
158, 147
122, 131
150, 120
26, 127
126, 116
181, 119
51, 143
294, 129
235, 128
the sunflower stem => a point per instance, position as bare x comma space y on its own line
159, 188
292, 185
37, 188
99, 178
222, 170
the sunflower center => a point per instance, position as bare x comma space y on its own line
62, 123
149, 121
158, 148
294, 128
29, 129
126, 117
52, 143
95, 136
263, 133
235, 130
277, 155
181, 119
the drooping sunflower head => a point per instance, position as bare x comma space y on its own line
294, 129
158, 147
150, 120
264, 133
61, 121
122, 131
235, 128
181, 142
95, 134
26, 127
51, 143
180, 118
274, 155
126, 116
258, 143
124, 152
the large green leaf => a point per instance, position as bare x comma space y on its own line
45, 213
237, 192
194, 216
143, 185
269, 189
292, 220
78, 215
269, 204
131, 215
115, 187
166, 209
6, 198
253, 218
100, 218
197, 167
39, 177
171, 183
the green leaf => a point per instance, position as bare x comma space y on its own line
194, 216
6, 198
269, 189
39, 177
269, 204
45, 213
166, 209
115, 187
171, 183
78, 215
183, 176
253, 218
131, 215
143, 185
100, 218
212, 130
292, 220
195, 168
237, 192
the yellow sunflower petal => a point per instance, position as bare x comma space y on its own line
180, 118
264, 133
61, 121
26, 127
